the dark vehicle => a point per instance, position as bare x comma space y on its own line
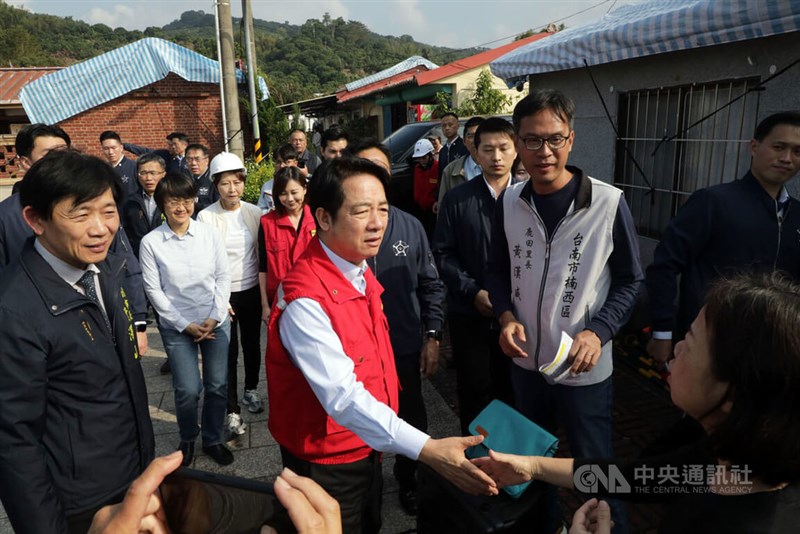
401, 145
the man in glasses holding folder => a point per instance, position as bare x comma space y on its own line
565, 259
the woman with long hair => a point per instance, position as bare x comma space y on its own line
284, 233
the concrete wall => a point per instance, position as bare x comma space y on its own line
595, 142
464, 85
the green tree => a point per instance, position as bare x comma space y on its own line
484, 100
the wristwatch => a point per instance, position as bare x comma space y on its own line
434, 334
141, 327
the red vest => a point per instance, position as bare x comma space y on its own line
284, 244
297, 421
426, 185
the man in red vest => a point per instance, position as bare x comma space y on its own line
330, 368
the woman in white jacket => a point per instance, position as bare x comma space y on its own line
238, 221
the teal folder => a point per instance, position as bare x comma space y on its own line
506, 430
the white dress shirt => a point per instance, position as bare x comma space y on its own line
471, 168
70, 274
186, 278
317, 351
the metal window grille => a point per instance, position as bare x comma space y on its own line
713, 152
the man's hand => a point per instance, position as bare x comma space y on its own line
265, 313
509, 329
141, 342
592, 518
446, 457
310, 507
483, 304
429, 358
140, 511
585, 352
435, 208
507, 469
660, 349
303, 171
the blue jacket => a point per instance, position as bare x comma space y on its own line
134, 219
461, 243
720, 230
449, 155
127, 172
75, 427
413, 295
14, 232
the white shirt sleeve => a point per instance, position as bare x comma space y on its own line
222, 277
317, 351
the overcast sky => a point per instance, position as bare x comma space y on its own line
452, 23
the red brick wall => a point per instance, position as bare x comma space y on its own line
145, 116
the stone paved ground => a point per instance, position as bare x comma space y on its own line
641, 411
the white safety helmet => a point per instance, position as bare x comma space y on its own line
423, 147
225, 161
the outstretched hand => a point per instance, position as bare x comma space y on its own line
506, 469
446, 457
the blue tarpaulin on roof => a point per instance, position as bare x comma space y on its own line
649, 28
67, 92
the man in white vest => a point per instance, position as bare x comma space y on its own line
565, 259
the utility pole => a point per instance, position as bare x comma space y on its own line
250, 49
234, 141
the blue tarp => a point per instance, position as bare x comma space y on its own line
67, 92
648, 28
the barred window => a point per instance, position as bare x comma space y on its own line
713, 152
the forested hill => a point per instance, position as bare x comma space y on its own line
298, 61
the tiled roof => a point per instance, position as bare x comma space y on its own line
13, 79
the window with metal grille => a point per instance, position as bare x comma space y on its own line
713, 152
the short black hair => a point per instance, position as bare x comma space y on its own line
64, 174
334, 133
541, 99
174, 185
150, 157
197, 146
110, 134
281, 182
26, 138
178, 135
765, 127
284, 152
367, 144
325, 190
493, 125
448, 114
753, 322
473, 121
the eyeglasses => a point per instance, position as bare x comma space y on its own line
185, 203
145, 174
555, 142
196, 158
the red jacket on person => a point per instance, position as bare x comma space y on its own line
297, 420
426, 186
284, 244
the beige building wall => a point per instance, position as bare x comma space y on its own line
464, 85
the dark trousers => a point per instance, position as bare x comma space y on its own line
412, 410
247, 317
357, 486
584, 412
80, 523
482, 370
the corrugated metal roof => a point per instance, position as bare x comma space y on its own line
650, 28
471, 62
396, 80
12, 80
72, 90
406, 64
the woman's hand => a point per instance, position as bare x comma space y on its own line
310, 507
507, 469
265, 313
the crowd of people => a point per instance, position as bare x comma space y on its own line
511, 247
